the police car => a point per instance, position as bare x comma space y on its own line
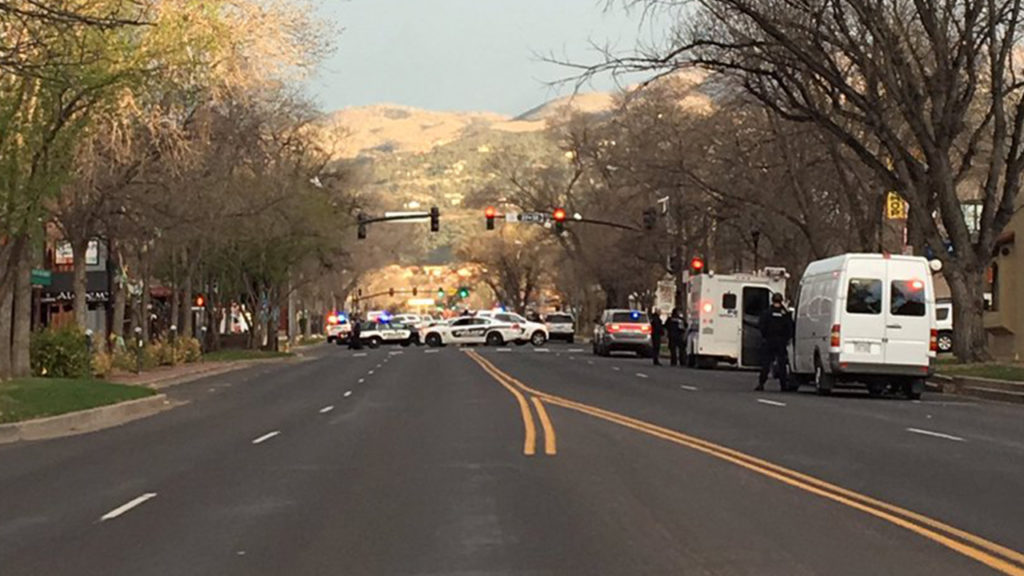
376, 334
337, 329
472, 330
530, 332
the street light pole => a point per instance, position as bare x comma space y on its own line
756, 236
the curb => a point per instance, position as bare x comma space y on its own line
83, 421
996, 390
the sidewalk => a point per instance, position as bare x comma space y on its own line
167, 376
986, 388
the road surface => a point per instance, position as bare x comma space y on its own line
484, 461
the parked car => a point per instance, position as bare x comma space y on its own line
377, 334
944, 324
530, 332
337, 329
561, 326
623, 330
866, 319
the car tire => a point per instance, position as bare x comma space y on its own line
875, 389
406, 343
339, 342
494, 339
538, 339
331, 339
571, 339
945, 342
434, 340
374, 342
823, 381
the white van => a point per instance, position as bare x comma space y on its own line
868, 319
723, 315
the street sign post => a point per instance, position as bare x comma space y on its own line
42, 277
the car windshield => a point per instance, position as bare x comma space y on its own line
559, 319
630, 317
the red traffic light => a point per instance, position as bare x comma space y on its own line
490, 212
200, 301
697, 265
559, 215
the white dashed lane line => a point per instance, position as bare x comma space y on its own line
266, 437
641, 375
431, 351
690, 388
575, 350
361, 380
127, 506
770, 402
936, 434
326, 409
359, 355
347, 394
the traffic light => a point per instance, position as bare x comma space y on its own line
650, 218
559, 217
463, 292
414, 291
489, 214
200, 301
440, 294
697, 266
391, 292
362, 226
435, 219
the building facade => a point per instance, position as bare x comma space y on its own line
1004, 321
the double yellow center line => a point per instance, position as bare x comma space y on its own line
530, 435
991, 554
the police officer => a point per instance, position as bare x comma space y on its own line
657, 331
676, 327
776, 326
355, 341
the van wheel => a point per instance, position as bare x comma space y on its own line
823, 381
495, 339
913, 388
704, 362
876, 389
945, 341
434, 340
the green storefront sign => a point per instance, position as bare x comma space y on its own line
42, 278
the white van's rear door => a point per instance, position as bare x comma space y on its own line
908, 319
862, 328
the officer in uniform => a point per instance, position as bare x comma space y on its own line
776, 326
657, 331
676, 327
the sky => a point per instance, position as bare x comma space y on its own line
466, 55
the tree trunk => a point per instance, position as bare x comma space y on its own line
21, 362
118, 296
144, 322
175, 296
79, 283
6, 317
970, 341
187, 325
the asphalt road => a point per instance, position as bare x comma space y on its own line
519, 461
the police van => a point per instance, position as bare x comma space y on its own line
866, 319
723, 314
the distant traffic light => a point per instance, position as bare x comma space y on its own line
463, 292
200, 301
489, 214
414, 291
650, 218
559, 217
435, 219
391, 292
697, 266
362, 226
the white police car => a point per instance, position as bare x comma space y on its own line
471, 330
529, 332
376, 334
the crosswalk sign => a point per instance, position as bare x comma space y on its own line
895, 207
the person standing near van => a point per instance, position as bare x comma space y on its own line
776, 326
657, 331
676, 327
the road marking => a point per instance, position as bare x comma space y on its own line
530, 430
361, 380
326, 409
690, 388
993, 555
616, 368
577, 350
504, 349
641, 375
378, 366
266, 437
370, 372
541, 350
591, 362
359, 355
126, 507
431, 351
770, 402
936, 434
550, 444
347, 394
396, 353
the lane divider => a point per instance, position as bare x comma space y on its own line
529, 428
127, 506
550, 442
266, 437
991, 554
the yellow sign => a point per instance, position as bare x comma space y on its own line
895, 207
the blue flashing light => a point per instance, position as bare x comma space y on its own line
384, 318
634, 315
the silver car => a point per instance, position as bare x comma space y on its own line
561, 326
623, 330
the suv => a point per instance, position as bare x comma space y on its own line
561, 325
375, 334
532, 332
338, 329
628, 330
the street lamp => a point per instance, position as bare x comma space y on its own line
756, 237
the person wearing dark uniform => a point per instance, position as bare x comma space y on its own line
776, 326
354, 340
657, 331
676, 328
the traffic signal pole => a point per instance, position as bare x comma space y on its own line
434, 215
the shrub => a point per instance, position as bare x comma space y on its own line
60, 353
192, 350
102, 364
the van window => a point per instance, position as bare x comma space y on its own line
942, 314
907, 298
864, 296
728, 302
